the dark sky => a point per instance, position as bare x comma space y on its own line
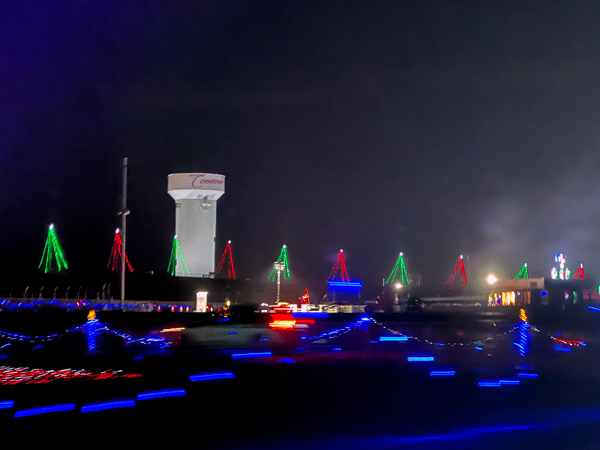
432, 128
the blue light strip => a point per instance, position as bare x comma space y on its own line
6, 404
310, 315
345, 283
211, 376
45, 410
161, 393
442, 373
251, 355
527, 375
561, 349
393, 338
509, 382
489, 384
593, 308
420, 358
287, 360
92, 407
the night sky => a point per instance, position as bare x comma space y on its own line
431, 128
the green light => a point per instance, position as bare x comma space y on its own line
177, 258
523, 273
53, 258
284, 259
403, 275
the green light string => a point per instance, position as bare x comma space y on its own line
177, 258
283, 258
53, 252
403, 275
523, 273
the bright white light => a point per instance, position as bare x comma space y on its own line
175, 236
117, 231
399, 286
400, 253
284, 246
229, 242
51, 226
491, 279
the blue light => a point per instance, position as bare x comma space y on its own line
527, 375
593, 308
509, 382
442, 373
91, 407
337, 349
6, 404
345, 283
211, 376
489, 384
251, 355
561, 349
420, 358
264, 339
287, 360
393, 338
233, 332
478, 348
45, 410
162, 393
39, 346
5, 345
374, 342
309, 315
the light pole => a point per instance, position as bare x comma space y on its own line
279, 266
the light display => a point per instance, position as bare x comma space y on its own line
402, 277
103, 406
305, 299
563, 272
339, 272
523, 273
177, 259
460, 267
114, 262
24, 375
283, 258
212, 376
226, 261
579, 274
53, 258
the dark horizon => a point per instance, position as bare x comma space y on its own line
432, 129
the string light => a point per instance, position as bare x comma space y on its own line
283, 258
523, 273
400, 265
460, 267
24, 375
226, 261
116, 254
53, 258
177, 259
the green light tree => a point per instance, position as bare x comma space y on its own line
177, 259
53, 258
283, 258
523, 273
400, 277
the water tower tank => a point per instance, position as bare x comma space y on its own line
196, 196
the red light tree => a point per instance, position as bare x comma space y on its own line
460, 267
226, 262
114, 262
339, 269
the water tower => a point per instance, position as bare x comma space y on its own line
196, 196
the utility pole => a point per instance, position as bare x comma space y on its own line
124, 213
279, 266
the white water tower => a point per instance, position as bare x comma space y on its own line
196, 196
